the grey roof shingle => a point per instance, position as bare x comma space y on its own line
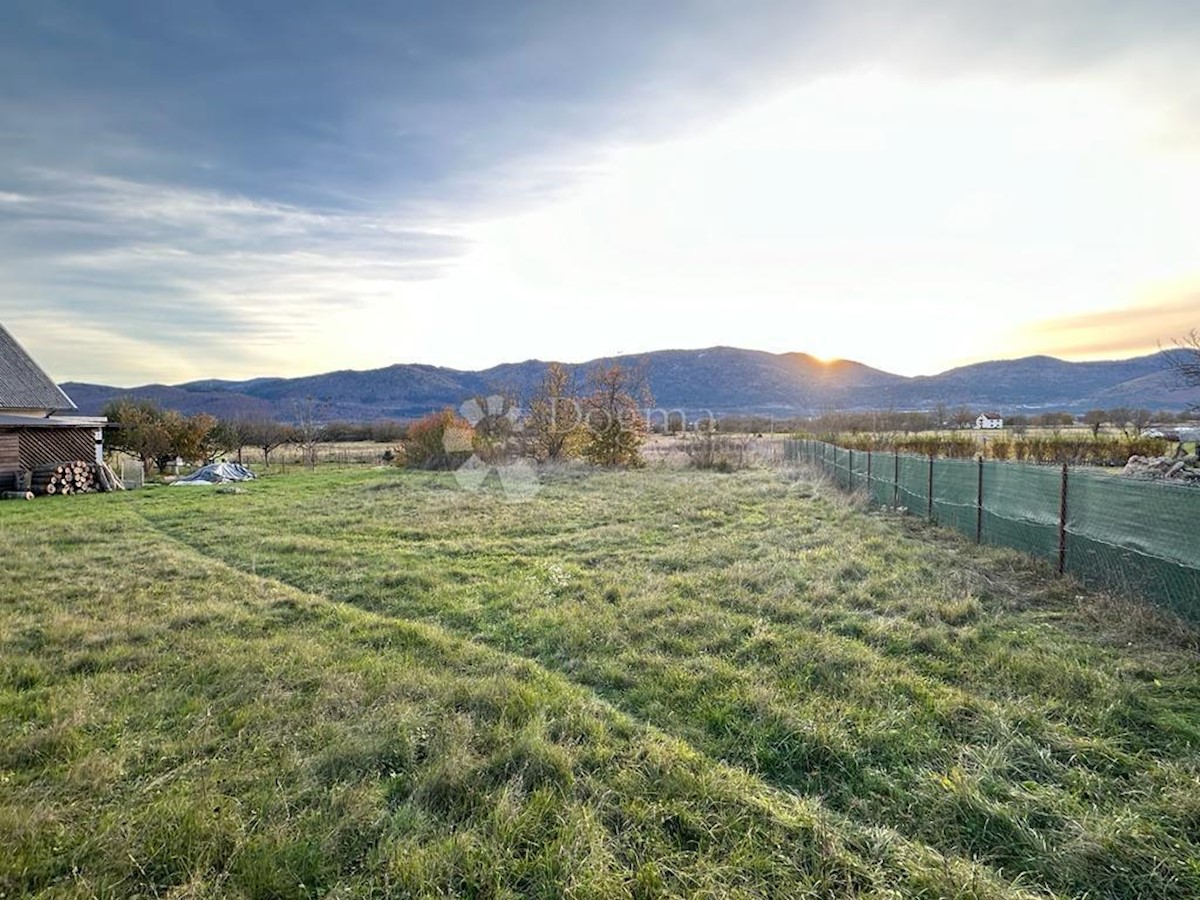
23, 384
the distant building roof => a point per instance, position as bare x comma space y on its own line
23, 384
992, 416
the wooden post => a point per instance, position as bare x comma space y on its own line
1062, 524
979, 506
930, 487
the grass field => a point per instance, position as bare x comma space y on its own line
637, 684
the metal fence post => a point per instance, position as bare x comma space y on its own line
896, 482
870, 491
1062, 523
850, 470
930, 487
979, 506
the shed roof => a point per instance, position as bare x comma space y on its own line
10, 421
23, 383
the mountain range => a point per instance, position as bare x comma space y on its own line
723, 380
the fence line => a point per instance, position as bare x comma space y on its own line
1128, 535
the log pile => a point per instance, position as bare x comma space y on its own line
76, 477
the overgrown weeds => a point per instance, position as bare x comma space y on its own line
1102, 450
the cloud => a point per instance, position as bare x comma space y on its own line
206, 279
1123, 331
275, 188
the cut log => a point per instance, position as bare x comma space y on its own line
74, 477
16, 495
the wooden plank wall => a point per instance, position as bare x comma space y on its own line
42, 446
10, 460
10, 453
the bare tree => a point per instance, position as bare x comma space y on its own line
942, 413
1120, 416
1130, 421
963, 417
265, 434
1184, 361
1140, 419
1095, 418
308, 429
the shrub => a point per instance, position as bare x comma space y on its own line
722, 453
440, 440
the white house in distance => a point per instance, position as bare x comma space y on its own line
989, 420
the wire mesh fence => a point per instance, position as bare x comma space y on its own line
1132, 536
133, 475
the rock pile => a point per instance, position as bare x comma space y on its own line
1176, 468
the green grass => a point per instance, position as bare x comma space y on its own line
638, 684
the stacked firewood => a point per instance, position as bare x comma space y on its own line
73, 478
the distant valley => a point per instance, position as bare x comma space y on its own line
723, 380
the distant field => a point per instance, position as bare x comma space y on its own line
366, 682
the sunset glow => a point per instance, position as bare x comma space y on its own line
904, 189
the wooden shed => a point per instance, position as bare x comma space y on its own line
36, 424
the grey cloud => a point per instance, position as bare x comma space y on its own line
208, 160
169, 265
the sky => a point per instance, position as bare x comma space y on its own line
233, 190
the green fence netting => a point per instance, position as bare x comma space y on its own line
914, 484
881, 490
1130, 536
1138, 537
1021, 507
956, 494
